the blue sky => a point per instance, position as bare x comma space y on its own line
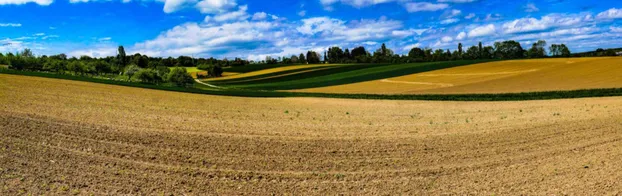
253, 29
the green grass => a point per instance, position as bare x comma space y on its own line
200, 89
252, 68
190, 69
346, 75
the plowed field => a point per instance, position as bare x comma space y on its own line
67, 137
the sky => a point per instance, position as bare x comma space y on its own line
254, 29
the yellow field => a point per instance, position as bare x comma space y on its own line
498, 77
268, 71
61, 137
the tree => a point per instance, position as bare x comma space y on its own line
335, 54
27, 53
131, 70
508, 50
383, 50
148, 76
121, 58
565, 52
313, 57
416, 53
346, 55
294, 59
358, 51
180, 77
472, 53
537, 50
302, 59
459, 49
480, 50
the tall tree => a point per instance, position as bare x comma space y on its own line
416, 53
121, 59
302, 58
358, 51
459, 49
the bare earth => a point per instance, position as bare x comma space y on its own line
67, 137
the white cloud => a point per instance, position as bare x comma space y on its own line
424, 6
546, 22
447, 39
21, 2
354, 3
612, 13
302, 13
449, 21
10, 25
96, 52
530, 7
411, 46
408, 32
456, 1
260, 16
39, 34
192, 38
616, 29
358, 30
370, 43
482, 31
471, 15
461, 36
231, 16
105, 39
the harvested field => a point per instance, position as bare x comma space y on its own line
67, 137
498, 77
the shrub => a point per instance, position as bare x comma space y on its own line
148, 76
180, 77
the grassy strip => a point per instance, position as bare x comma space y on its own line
253, 67
246, 93
235, 80
351, 76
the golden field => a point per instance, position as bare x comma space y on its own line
67, 137
268, 71
498, 77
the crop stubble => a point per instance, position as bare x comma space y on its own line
62, 137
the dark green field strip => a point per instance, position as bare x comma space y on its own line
252, 68
250, 93
310, 74
352, 76
243, 79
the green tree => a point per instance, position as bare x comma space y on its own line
131, 70
302, 58
416, 53
180, 77
121, 58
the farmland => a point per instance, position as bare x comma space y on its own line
69, 137
497, 77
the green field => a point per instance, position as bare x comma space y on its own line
345, 74
251, 68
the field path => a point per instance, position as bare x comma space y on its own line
62, 137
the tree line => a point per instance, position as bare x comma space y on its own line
143, 68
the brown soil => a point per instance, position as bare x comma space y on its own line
66, 137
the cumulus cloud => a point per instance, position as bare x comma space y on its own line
302, 13
546, 22
358, 30
612, 13
408, 47
616, 29
482, 31
240, 14
461, 36
21, 2
260, 16
447, 39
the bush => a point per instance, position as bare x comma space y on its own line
148, 76
212, 70
180, 77
131, 70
